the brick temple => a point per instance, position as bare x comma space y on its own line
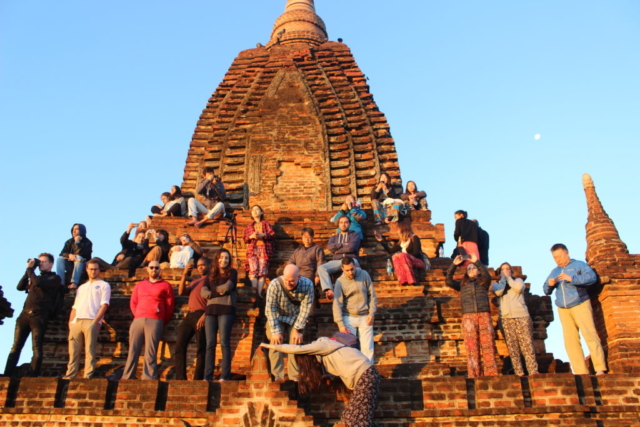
293, 127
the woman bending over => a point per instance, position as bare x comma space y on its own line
353, 367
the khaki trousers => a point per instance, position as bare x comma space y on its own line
82, 331
575, 320
277, 358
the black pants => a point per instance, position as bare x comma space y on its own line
186, 331
26, 324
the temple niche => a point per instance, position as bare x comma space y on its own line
293, 127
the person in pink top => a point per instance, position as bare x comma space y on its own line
152, 304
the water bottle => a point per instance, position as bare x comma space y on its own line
389, 268
441, 252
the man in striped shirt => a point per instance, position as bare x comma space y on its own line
289, 302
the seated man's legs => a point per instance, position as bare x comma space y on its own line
62, 266
218, 209
78, 269
195, 207
326, 270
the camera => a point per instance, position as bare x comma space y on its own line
37, 262
465, 257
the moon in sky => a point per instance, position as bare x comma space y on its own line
537, 136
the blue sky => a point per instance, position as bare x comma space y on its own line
98, 102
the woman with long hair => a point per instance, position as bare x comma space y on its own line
220, 292
477, 328
516, 321
406, 253
414, 198
259, 237
353, 367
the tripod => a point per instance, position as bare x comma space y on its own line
232, 235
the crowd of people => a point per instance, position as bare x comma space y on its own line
289, 298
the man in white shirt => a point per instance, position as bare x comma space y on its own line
92, 301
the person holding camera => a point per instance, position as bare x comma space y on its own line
379, 195
352, 209
42, 293
75, 253
477, 327
516, 322
211, 188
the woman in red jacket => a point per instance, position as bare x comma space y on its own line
259, 237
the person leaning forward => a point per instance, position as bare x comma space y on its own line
288, 305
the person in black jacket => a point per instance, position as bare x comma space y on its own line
132, 254
42, 292
477, 327
75, 253
465, 235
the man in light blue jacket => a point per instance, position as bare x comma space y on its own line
571, 278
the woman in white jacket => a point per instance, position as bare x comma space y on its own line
516, 321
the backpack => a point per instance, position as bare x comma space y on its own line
349, 340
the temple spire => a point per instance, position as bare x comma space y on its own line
299, 24
603, 240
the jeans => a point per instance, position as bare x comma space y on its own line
213, 324
326, 270
28, 324
357, 325
64, 265
196, 207
186, 331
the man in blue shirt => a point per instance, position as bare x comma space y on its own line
570, 280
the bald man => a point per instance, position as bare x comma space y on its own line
289, 302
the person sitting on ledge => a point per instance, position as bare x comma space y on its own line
308, 257
169, 206
76, 251
178, 197
132, 254
477, 326
211, 188
160, 252
406, 253
417, 200
185, 252
344, 244
381, 192
351, 209
259, 237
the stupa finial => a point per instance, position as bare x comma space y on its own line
299, 24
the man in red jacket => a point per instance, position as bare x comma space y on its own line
152, 304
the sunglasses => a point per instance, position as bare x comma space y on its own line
153, 268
